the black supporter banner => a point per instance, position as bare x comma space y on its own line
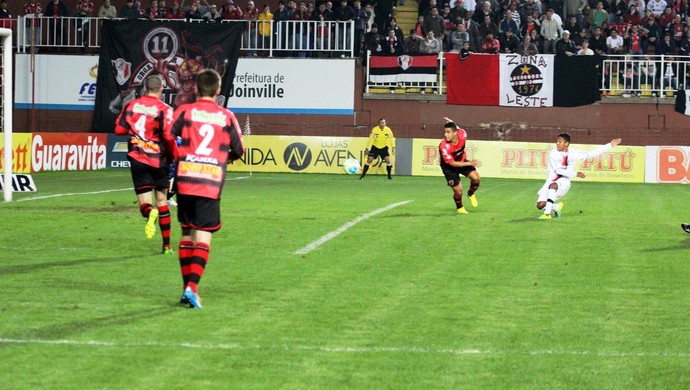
176, 51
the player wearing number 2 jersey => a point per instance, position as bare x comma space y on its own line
210, 136
151, 149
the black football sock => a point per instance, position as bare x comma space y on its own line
473, 188
145, 209
458, 200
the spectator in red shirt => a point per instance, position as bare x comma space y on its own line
174, 12
633, 16
152, 13
666, 17
229, 11
491, 44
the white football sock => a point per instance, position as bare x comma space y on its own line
549, 201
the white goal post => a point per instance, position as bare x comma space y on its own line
6, 79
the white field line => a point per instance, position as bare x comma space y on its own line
315, 244
72, 194
341, 349
99, 192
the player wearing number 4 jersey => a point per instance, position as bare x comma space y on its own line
561, 167
210, 136
151, 148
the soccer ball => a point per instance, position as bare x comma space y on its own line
351, 166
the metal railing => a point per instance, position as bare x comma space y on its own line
619, 76
644, 75
267, 38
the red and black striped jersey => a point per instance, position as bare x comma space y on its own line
147, 120
210, 136
453, 152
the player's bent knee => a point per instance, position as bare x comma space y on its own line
541, 205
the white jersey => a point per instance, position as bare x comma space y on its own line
657, 6
561, 167
562, 164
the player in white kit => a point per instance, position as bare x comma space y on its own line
561, 167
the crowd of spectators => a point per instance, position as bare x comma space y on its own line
586, 27
262, 23
580, 27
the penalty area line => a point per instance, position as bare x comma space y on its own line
315, 244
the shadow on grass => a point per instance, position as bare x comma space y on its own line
82, 325
683, 245
535, 218
27, 268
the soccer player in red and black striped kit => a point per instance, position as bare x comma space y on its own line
151, 148
454, 163
210, 137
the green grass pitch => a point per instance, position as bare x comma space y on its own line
412, 297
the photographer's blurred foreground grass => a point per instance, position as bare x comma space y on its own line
405, 296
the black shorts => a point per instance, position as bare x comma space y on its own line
146, 177
453, 174
196, 212
376, 152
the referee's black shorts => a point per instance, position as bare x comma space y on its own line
376, 152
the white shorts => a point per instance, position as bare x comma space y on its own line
563, 188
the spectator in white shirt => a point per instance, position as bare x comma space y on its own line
614, 43
585, 50
657, 6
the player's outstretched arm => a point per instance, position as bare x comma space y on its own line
616, 141
448, 119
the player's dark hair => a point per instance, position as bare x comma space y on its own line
565, 136
451, 125
153, 84
207, 83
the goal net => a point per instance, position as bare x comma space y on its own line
6, 108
